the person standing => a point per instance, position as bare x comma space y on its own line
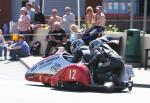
39, 17
89, 18
100, 19
53, 18
24, 24
68, 19
23, 21
30, 12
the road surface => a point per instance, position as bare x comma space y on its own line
15, 89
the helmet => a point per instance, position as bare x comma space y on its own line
77, 44
95, 44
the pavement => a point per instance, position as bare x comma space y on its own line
31, 60
142, 77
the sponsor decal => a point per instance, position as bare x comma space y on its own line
45, 63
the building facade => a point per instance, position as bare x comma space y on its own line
114, 9
48, 6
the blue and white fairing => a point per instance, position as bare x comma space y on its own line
51, 64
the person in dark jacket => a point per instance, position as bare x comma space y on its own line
38, 17
80, 51
105, 62
55, 38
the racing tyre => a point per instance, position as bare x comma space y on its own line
109, 87
130, 85
60, 84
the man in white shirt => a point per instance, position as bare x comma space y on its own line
68, 19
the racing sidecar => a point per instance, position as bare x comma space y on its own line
79, 75
60, 70
48, 67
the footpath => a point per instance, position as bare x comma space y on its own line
31, 60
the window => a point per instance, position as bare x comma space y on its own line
110, 6
123, 6
105, 7
116, 7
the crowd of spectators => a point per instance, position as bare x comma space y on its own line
62, 30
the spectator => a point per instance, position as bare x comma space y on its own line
23, 21
2, 46
68, 19
24, 24
75, 34
33, 4
89, 18
53, 18
100, 19
30, 12
19, 49
56, 38
5, 29
39, 17
6, 32
98, 27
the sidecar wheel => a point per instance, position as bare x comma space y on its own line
130, 85
60, 84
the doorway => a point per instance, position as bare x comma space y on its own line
5, 12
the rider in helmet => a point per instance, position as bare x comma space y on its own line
80, 51
105, 62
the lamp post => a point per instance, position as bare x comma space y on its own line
131, 15
78, 8
43, 4
145, 17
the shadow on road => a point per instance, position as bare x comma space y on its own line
79, 90
37, 85
141, 85
87, 89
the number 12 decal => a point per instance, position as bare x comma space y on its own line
72, 74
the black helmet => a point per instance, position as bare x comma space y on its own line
95, 44
77, 44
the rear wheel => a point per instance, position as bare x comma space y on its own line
130, 85
109, 87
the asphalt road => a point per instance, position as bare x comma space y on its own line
15, 89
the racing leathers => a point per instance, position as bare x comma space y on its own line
82, 54
106, 64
